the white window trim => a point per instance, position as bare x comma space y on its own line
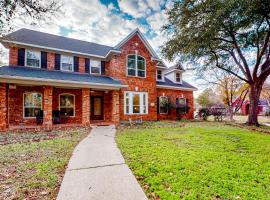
25, 58
162, 75
74, 107
90, 70
130, 96
136, 66
180, 77
159, 105
31, 107
61, 58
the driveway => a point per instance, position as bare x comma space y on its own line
97, 170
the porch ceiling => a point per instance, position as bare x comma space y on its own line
33, 76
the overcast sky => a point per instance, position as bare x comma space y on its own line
108, 21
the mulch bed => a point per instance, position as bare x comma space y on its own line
25, 136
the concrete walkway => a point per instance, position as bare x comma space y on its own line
97, 170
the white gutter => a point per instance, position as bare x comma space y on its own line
176, 88
61, 50
58, 83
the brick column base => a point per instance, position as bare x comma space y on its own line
47, 106
3, 107
115, 107
86, 106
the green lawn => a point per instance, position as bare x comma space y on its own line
32, 166
198, 160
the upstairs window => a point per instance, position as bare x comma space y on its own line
178, 77
136, 66
67, 105
159, 75
32, 58
66, 63
95, 66
32, 103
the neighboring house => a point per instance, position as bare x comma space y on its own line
263, 106
70, 81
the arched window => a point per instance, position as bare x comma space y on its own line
136, 65
32, 104
67, 105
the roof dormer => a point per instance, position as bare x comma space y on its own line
174, 73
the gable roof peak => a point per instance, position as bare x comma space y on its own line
144, 40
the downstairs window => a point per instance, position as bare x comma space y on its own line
136, 103
67, 105
32, 104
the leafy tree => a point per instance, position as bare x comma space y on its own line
223, 34
207, 98
266, 91
30, 10
228, 87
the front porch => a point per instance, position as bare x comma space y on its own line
51, 107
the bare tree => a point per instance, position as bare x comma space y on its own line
229, 88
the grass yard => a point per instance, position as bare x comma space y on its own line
196, 160
32, 165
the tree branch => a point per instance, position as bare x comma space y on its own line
265, 45
241, 57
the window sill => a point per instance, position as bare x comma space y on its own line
137, 114
136, 76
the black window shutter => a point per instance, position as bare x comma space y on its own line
43, 60
158, 105
21, 56
57, 61
186, 101
76, 63
102, 67
87, 65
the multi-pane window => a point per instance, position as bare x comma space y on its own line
178, 77
136, 65
95, 66
67, 105
163, 105
181, 101
32, 104
66, 63
32, 58
159, 75
136, 103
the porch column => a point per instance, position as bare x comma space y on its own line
3, 107
115, 107
47, 107
86, 106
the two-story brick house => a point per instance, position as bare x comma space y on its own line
78, 82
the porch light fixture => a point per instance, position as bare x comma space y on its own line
12, 86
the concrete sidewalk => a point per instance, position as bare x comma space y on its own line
97, 170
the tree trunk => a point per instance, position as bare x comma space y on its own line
254, 96
231, 113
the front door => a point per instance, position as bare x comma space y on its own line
97, 108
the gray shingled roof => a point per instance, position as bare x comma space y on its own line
168, 82
177, 66
28, 72
58, 42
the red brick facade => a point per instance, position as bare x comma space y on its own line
11, 100
117, 68
172, 95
